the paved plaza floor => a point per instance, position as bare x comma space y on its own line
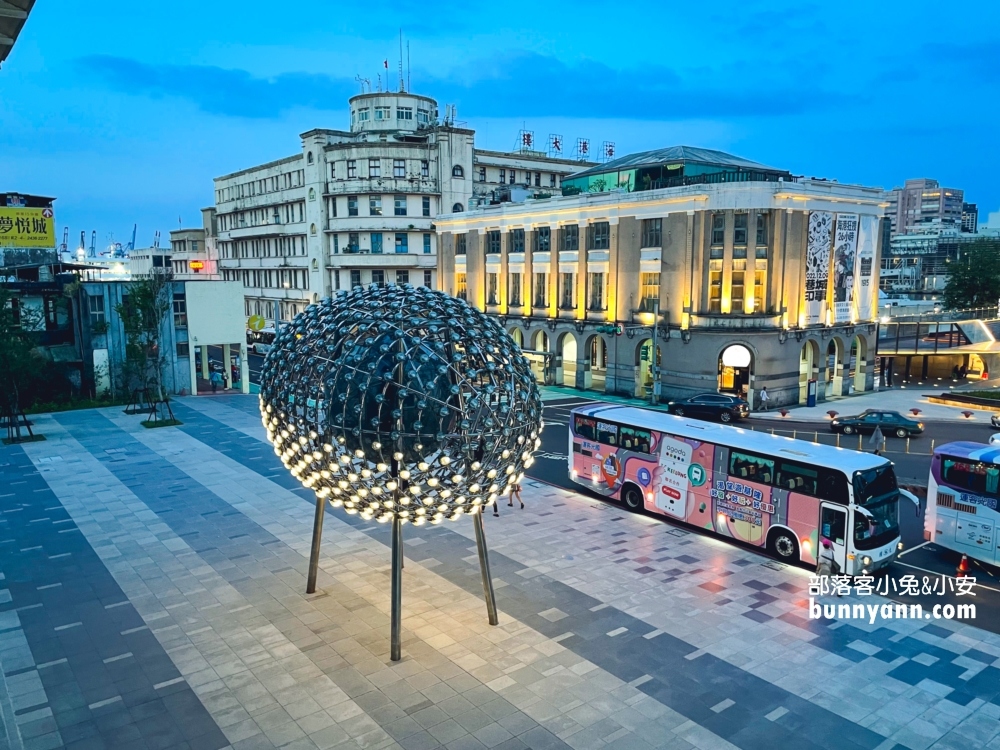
152, 596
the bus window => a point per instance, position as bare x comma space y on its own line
607, 434
833, 525
635, 439
795, 478
964, 475
833, 486
585, 428
751, 468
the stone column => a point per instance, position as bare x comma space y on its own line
227, 370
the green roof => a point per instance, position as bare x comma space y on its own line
677, 155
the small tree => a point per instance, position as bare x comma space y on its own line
20, 362
974, 277
143, 313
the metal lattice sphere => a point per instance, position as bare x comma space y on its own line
400, 401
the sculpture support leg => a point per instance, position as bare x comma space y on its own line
484, 566
316, 542
396, 605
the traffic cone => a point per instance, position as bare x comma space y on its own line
963, 567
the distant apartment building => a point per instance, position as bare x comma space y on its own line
193, 252
922, 204
356, 206
970, 218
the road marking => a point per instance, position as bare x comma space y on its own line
912, 549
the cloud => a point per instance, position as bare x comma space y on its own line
530, 84
977, 61
524, 84
234, 93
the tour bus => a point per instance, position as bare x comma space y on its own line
963, 490
261, 341
774, 492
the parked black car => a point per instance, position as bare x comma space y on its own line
710, 406
890, 422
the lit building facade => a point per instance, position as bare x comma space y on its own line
722, 274
356, 207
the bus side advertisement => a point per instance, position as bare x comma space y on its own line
716, 488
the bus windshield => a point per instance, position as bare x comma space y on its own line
876, 491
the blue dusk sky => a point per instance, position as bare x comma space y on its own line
125, 111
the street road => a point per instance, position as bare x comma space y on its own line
918, 558
254, 360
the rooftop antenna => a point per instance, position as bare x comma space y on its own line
408, 88
401, 86
379, 82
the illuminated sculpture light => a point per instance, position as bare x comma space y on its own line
400, 404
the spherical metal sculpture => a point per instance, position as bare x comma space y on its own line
400, 402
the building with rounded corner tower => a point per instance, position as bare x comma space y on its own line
355, 207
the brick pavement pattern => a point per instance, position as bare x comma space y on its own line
151, 596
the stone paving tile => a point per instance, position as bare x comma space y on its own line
840, 642
206, 537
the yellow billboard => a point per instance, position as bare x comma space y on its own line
27, 227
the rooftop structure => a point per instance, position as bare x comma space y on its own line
13, 15
671, 167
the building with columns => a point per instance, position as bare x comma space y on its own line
681, 271
356, 206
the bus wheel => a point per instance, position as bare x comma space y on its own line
783, 545
848, 430
632, 497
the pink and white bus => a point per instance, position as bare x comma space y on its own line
760, 489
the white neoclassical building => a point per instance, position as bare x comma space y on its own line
356, 206
680, 271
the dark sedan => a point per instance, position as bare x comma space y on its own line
890, 422
710, 406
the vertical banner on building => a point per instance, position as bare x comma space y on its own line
863, 268
817, 264
845, 249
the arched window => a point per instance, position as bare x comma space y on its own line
457, 208
309, 157
457, 171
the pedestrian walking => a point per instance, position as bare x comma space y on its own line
215, 379
764, 398
826, 563
962, 372
516, 492
954, 372
877, 441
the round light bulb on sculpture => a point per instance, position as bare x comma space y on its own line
397, 393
